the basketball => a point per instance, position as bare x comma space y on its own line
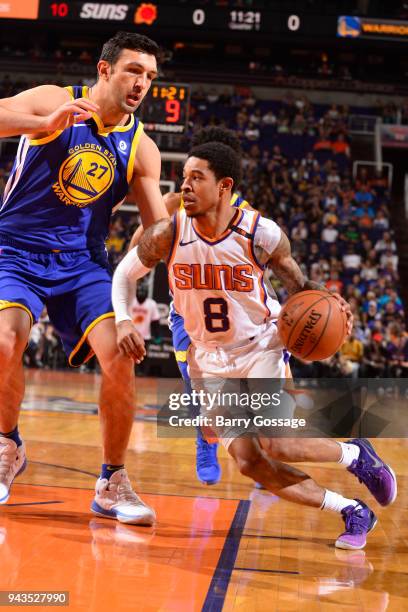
312, 325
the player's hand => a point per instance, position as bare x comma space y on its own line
345, 307
130, 342
69, 113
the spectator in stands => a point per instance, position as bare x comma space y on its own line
352, 353
340, 146
145, 314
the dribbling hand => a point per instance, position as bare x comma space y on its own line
345, 307
69, 113
130, 342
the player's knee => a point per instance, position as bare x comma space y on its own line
249, 466
249, 462
115, 365
275, 448
11, 345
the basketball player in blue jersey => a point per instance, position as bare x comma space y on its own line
215, 258
80, 152
207, 467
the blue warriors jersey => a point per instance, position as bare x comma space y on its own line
63, 188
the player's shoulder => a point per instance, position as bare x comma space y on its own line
147, 159
267, 233
173, 200
238, 201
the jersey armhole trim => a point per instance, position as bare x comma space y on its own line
251, 243
70, 90
133, 151
41, 141
175, 239
46, 139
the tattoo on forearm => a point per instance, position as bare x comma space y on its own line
287, 270
314, 286
155, 243
289, 273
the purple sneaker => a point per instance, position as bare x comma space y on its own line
359, 521
377, 476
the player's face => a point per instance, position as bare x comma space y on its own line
130, 79
200, 188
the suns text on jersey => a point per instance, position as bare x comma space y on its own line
214, 276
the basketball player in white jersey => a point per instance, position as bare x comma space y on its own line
215, 257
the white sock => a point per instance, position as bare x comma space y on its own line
349, 452
334, 501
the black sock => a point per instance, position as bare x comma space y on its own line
13, 435
108, 469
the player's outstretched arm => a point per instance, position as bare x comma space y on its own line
291, 276
155, 245
287, 270
145, 186
171, 201
42, 110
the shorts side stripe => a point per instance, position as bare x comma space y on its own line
81, 342
4, 304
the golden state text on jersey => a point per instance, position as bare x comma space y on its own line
63, 187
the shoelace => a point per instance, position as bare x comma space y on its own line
353, 521
125, 492
372, 477
205, 455
7, 458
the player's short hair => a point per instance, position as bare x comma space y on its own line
113, 47
217, 134
221, 158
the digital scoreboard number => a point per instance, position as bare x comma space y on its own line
165, 108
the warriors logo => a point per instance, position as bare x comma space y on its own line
84, 177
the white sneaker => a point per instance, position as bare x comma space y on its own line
12, 463
115, 498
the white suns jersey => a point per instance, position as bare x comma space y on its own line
217, 285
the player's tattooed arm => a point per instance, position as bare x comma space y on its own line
291, 276
287, 270
172, 202
155, 243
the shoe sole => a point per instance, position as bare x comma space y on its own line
390, 470
5, 499
209, 482
122, 518
345, 546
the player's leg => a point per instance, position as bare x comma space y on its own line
115, 497
15, 326
207, 467
358, 456
295, 486
82, 315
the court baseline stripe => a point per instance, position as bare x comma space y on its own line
269, 537
267, 571
64, 467
214, 600
55, 501
71, 469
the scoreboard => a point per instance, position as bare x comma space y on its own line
165, 108
192, 17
